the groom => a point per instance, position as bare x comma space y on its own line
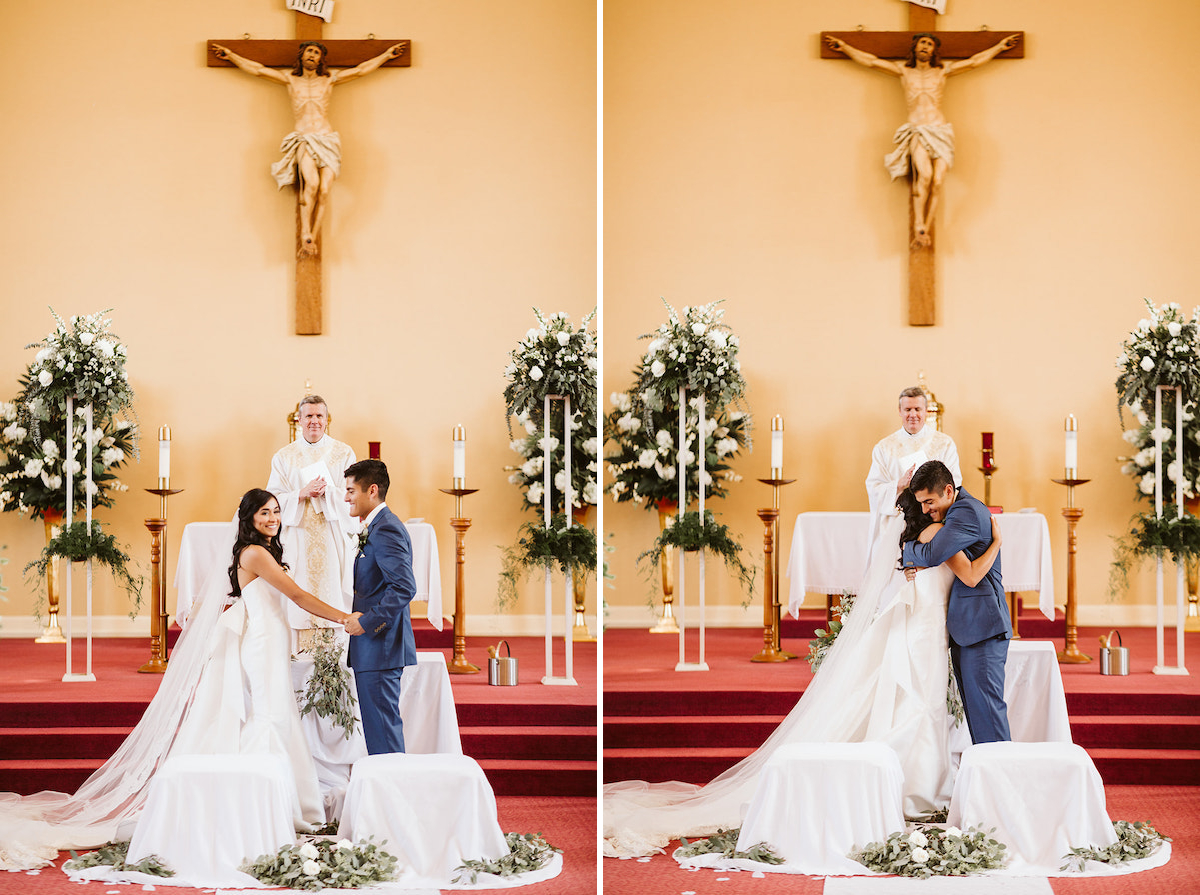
383, 587
976, 617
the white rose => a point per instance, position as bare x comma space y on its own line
1132, 436
718, 338
536, 373
9, 411
1147, 363
590, 494
628, 423
591, 446
1142, 417
664, 472
308, 850
658, 368
647, 458
534, 494
1161, 434
563, 337
42, 355
1173, 471
105, 348
918, 838
87, 338
73, 466
920, 856
1174, 329
33, 467
620, 401
345, 843
45, 377
655, 346
664, 439
310, 868
953, 831
548, 444
1146, 485
50, 449
698, 329
533, 333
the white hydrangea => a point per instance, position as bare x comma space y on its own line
1146, 485
536, 373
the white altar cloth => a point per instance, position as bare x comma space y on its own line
829, 556
207, 814
207, 547
435, 811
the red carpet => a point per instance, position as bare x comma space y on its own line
660, 724
530, 739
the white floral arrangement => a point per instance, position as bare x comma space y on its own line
83, 360
554, 358
695, 349
645, 464
585, 447
1144, 437
324, 864
929, 850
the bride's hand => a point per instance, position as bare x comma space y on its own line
910, 573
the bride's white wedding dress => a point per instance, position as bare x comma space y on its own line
227, 689
884, 680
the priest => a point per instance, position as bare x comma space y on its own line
895, 458
307, 479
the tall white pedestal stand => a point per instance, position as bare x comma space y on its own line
69, 455
684, 665
1180, 585
547, 486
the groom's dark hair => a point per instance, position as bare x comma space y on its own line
370, 472
933, 475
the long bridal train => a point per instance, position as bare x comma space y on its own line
884, 680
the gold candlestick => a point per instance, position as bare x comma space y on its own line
458, 663
158, 582
1071, 655
771, 651
666, 623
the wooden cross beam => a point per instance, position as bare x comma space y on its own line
282, 54
896, 45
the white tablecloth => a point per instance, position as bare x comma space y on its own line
829, 556
207, 547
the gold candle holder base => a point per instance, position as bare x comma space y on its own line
458, 663
1070, 654
771, 651
52, 633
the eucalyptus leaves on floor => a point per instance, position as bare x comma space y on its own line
526, 852
724, 843
113, 855
324, 864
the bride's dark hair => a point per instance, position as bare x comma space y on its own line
252, 501
915, 520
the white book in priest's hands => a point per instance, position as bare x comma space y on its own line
320, 470
913, 461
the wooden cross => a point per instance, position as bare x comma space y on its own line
895, 45
282, 54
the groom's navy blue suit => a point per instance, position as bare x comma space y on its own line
976, 617
383, 587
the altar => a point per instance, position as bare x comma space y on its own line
207, 547
829, 556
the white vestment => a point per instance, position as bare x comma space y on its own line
891, 458
316, 532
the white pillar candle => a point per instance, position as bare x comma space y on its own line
164, 454
460, 453
1072, 446
777, 446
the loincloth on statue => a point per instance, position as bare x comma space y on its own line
938, 140
326, 150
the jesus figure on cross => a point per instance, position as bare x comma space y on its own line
312, 152
924, 143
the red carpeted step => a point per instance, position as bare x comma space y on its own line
428, 637
529, 714
1147, 767
573, 743
18, 743
59, 775
648, 703
1136, 731
81, 713
686, 730
540, 778
1132, 703
660, 765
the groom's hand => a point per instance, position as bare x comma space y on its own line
352, 625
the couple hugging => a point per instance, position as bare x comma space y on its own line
228, 688
935, 571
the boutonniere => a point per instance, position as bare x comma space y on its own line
362, 540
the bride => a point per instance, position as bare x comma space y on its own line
883, 680
244, 647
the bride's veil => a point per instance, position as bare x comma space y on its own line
641, 817
33, 828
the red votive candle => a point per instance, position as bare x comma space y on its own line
373, 449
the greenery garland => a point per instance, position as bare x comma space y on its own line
688, 532
114, 855
927, 851
324, 864
78, 543
1149, 535
571, 547
526, 852
724, 843
1134, 841
328, 692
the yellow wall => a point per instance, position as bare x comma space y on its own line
136, 178
741, 166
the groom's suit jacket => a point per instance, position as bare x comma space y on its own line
383, 587
975, 613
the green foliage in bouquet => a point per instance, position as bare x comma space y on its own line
114, 855
571, 548
688, 532
932, 851
79, 543
526, 852
329, 692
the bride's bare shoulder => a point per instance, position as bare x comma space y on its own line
928, 532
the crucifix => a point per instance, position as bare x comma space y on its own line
312, 152
925, 143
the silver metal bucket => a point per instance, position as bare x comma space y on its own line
1114, 659
502, 671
